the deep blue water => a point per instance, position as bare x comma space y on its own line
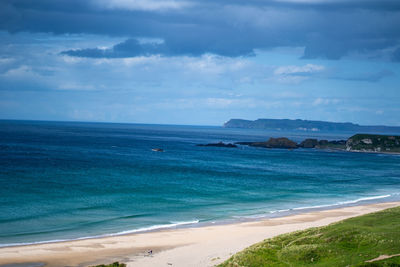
63, 180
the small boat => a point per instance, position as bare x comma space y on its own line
157, 149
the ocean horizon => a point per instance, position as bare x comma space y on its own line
72, 180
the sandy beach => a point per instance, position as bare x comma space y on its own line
202, 246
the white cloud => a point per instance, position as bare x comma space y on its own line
296, 74
291, 79
76, 86
213, 64
216, 103
325, 101
134, 61
20, 71
72, 60
6, 60
219, 102
288, 70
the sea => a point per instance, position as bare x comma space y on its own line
74, 180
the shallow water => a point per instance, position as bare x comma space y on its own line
71, 180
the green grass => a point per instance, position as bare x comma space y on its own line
347, 243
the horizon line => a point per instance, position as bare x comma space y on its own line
175, 124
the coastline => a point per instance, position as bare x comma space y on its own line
346, 151
394, 197
196, 246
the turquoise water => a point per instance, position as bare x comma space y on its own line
63, 181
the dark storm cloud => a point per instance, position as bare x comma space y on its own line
133, 48
327, 29
396, 55
129, 48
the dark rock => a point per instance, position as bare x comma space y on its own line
220, 144
323, 142
281, 142
309, 143
244, 143
338, 142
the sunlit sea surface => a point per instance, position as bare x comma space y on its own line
61, 181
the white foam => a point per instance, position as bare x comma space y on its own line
139, 230
365, 199
341, 203
278, 211
156, 227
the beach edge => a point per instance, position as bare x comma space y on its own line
196, 246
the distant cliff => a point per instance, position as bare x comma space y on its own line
306, 125
373, 143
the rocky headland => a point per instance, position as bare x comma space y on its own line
356, 143
373, 143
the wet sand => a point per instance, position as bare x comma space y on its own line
201, 246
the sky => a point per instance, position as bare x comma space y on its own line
200, 62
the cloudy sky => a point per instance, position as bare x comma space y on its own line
200, 62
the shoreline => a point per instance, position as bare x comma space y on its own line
187, 246
237, 219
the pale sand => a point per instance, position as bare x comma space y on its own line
202, 246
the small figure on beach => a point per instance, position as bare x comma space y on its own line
150, 252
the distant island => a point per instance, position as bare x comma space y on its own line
307, 125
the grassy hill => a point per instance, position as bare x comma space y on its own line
351, 242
